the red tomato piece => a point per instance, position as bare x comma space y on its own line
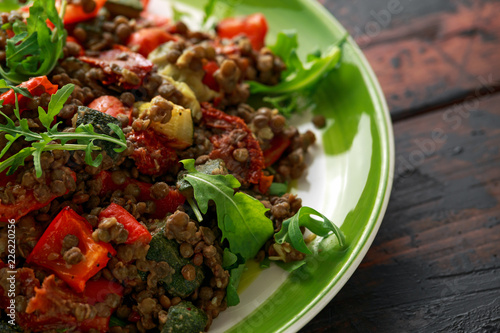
96, 253
210, 68
36, 87
75, 13
136, 231
225, 144
121, 60
28, 204
164, 206
146, 40
112, 106
278, 146
253, 26
45, 313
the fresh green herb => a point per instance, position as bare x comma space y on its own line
84, 134
8, 5
299, 80
209, 10
115, 321
232, 287
241, 217
35, 48
290, 230
278, 189
228, 258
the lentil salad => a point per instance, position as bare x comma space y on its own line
138, 225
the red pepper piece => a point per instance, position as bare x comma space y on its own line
119, 60
26, 205
96, 254
36, 86
75, 13
146, 40
265, 183
209, 80
164, 206
112, 106
45, 310
96, 291
136, 231
224, 144
151, 155
253, 26
278, 145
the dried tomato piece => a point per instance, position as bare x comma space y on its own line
234, 134
53, 305
123, 67
151, 156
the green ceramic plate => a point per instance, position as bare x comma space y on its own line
349, 178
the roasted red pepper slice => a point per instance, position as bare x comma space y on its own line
115, 62
235, 134
36, 86
164, 206
253, 26
46, 311
96, 254
136, 231
96, 291
151, 155
278, 145
112, 106
75, 13
147, 39
26, 205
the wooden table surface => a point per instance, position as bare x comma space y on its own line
434, 265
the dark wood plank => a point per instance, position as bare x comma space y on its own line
426, 53
434, 265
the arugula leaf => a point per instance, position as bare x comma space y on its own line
299, 80
209, 10
278, 189
232, 287
228, 258
8, 5
35, 48
290, 229
55, 105
241, 217
84, 134
298, 76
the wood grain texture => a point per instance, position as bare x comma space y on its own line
434, 265
426, 54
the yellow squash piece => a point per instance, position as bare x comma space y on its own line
178, 131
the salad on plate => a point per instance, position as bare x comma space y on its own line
145, 163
